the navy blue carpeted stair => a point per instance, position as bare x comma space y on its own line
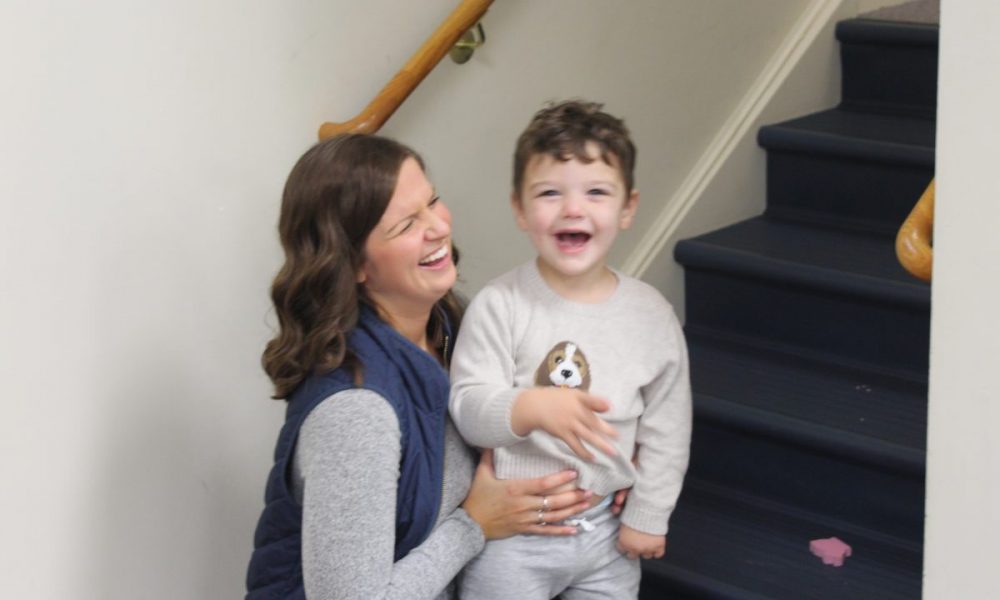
809, 351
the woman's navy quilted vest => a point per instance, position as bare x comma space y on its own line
416, 387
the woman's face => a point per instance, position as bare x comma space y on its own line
408, 258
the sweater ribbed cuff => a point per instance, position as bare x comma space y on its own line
645, 519
473, 536
496, 419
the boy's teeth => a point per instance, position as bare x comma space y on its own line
441, 253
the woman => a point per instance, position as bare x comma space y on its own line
372, 494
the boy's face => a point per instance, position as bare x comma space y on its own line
572, 211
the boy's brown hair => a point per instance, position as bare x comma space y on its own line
563, 130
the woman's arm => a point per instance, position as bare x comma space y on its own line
347, 467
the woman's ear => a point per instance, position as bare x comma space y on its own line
629, 210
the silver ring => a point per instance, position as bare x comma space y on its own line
541, 517
545, 503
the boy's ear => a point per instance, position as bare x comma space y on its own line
628, 211
518, 209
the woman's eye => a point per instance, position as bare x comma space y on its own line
405, 227
434, 200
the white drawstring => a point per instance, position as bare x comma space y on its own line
582, 522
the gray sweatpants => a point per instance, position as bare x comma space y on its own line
586, 566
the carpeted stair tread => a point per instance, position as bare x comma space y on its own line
809, 351
724, 544
846, 133
853, 412
825, 258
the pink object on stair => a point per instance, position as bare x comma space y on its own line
833, 551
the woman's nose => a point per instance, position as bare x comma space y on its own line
439, 222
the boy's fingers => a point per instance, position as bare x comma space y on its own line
605, 427
598, 442
594, 403
574, 443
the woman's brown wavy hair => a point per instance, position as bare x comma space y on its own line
334, 197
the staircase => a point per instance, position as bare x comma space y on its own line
809, 351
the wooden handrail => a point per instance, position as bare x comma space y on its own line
914, 243
413, 72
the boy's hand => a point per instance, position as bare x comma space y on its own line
635, 544
566, 413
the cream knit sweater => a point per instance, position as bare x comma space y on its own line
631, 351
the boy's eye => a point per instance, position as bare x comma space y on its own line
434, 200
598, 192
548, 193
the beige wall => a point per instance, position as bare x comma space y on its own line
144, 149
963, 490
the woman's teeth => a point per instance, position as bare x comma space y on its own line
436, 256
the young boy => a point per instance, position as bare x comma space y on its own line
547, 346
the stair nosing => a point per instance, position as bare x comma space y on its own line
835, 360
846, 444
782, 138
887, 33
699, 254
802, 514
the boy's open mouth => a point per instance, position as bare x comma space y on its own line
572, 239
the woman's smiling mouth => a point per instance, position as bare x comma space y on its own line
435, 258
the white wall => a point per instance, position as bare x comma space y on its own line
963, 489
673, 69
144, 148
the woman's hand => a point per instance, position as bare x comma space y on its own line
619, 502
618, 505
507, 507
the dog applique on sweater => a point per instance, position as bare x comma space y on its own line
564, 366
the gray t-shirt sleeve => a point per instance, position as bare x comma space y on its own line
345, 473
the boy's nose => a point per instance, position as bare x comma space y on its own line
572, 206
